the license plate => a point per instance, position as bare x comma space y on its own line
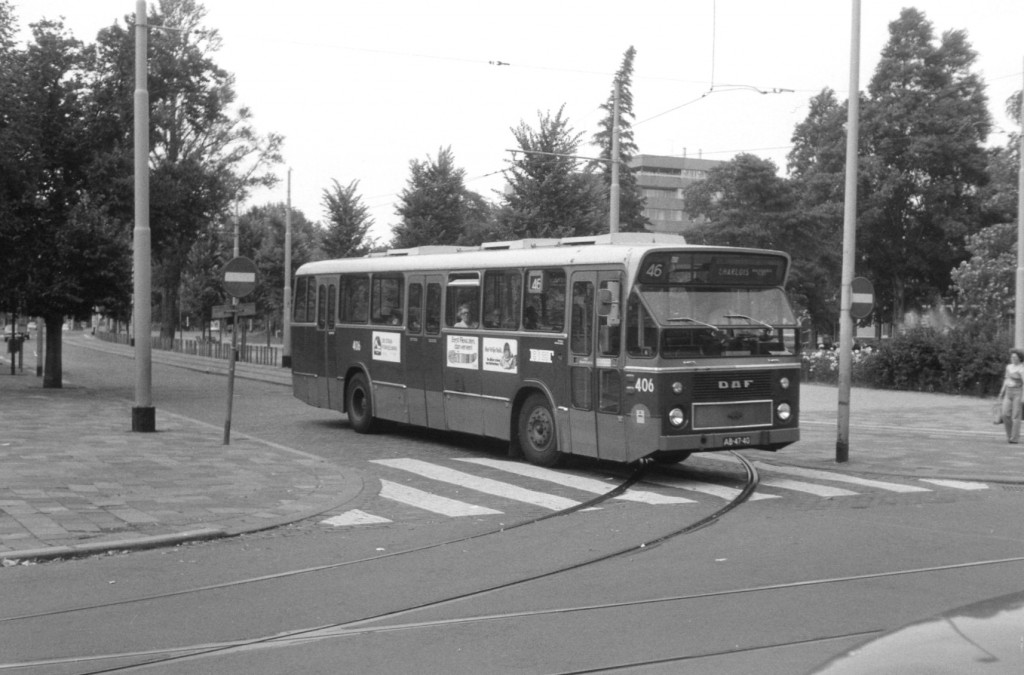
736, 441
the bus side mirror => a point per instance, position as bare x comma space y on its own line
608, 303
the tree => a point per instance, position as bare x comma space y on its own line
548, 196
63, 254
923, 126
203, 156
435, 206
984, 284
348, 222
631, 198
746, 203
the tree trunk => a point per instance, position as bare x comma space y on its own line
53, 368
898, 300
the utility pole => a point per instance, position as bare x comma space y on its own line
849, 242
613, 216
286, 347
143, 413
1018, 305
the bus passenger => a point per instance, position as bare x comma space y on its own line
465, 318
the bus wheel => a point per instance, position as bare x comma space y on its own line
537, 432
359, 405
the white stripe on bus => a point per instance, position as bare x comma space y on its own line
591, 485
485, 485
419, 499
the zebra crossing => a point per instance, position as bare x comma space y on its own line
481, 487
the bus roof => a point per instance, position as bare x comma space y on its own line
625, 248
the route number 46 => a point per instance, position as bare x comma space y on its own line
655, 270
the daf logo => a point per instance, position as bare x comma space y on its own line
735, 384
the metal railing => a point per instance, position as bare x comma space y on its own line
255, 354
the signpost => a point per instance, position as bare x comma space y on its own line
239, 281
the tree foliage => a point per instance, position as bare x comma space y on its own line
204, 155
548, 196
631, 198
348, 222
923, 126
435, 206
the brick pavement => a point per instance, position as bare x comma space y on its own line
75, 479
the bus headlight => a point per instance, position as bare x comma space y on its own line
676, 417
677, 387
784, 383
784, 412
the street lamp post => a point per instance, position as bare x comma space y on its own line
143, 413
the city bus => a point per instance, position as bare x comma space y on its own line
619, 347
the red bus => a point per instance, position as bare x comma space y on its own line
619, 347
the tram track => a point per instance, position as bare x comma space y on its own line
157, 656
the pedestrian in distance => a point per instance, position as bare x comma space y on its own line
1011, 393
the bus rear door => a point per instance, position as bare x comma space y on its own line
333, 380
582, 423
424, 361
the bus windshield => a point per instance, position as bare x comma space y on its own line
718, 307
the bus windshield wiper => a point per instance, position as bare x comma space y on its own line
688, 319
766, 326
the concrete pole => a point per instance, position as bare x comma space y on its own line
613, 208
1018, 306
849, 241
286, 347
143, 413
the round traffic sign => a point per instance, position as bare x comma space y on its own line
862, 298
239, 277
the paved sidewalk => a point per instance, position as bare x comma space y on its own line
74, 479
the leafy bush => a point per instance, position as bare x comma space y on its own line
921, 359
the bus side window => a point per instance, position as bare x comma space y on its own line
415, 307
502, 290
332, 304
321, 307
433, 323
641, 331
311, 301
386, 300
544, 303
299, 309
355, 299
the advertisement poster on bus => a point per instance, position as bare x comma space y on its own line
501, 355
387, 347
463, 352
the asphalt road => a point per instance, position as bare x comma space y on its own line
777, 585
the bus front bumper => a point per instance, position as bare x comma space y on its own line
764, 439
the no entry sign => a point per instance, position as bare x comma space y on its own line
862, 298
239, 277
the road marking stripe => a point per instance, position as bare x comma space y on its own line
354, 517
480, 484
712, 489
840, 478
591, 485
419, 499
799, 486
957, 484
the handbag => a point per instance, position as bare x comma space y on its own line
997, 413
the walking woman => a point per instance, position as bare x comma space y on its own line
1013, 387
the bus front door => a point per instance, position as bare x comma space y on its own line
582, 423
424, 362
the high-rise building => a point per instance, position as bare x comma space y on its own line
662, 179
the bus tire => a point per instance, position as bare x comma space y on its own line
359, 404
537, 435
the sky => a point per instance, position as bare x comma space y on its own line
360, 89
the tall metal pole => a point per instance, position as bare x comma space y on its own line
143, 413
286, 347
849, 241
613, 208
1018, 323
